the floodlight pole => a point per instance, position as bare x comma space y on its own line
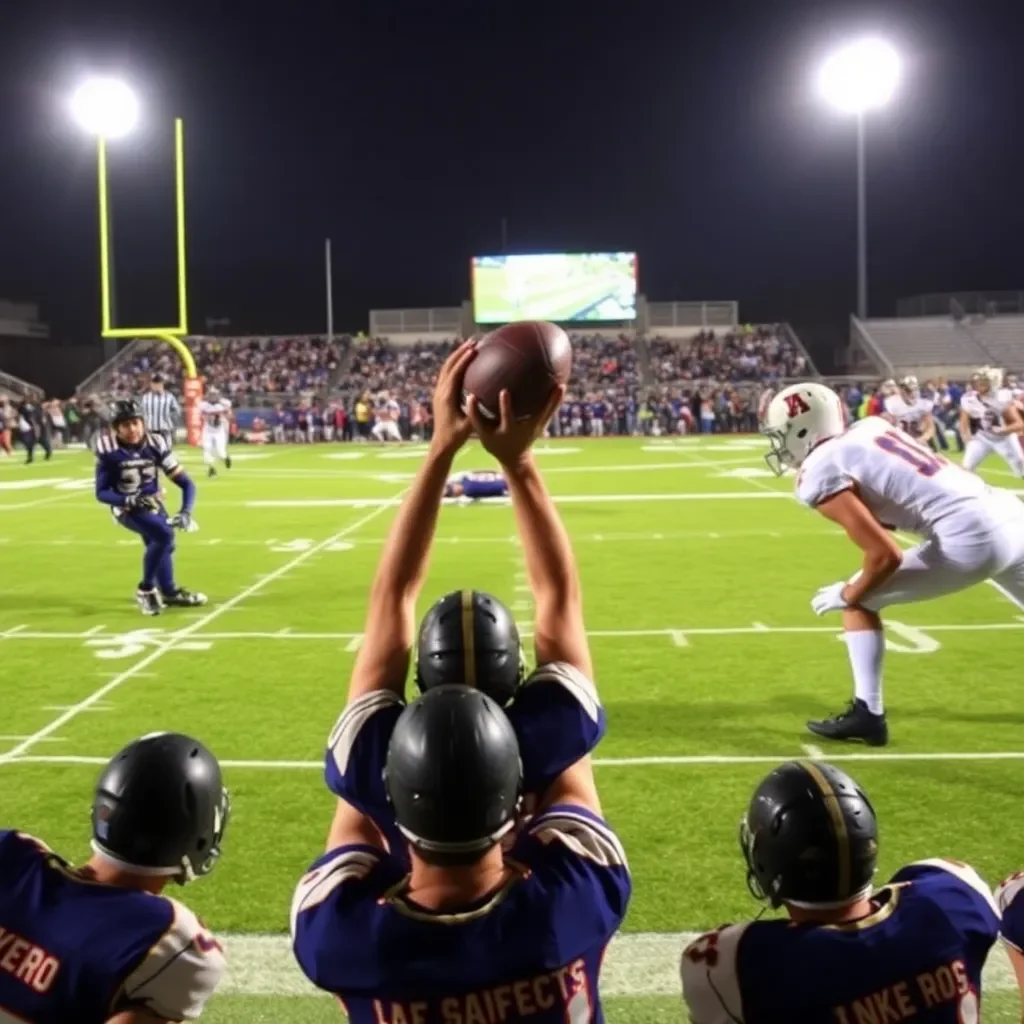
862, 224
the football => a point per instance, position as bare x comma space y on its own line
529, 359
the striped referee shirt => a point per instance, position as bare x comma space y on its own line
160, 410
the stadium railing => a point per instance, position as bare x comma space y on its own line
15, 387
99, 380
861, 340
925, 346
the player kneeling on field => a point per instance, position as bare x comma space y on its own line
845, 953
127, 463
430, 791
99, 944
873, 478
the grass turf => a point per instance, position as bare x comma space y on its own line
697, 569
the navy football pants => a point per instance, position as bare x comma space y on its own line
158, 536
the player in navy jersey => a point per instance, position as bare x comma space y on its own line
128, 461
100, 944
846, 953
476, 484
511, 938
1010, 900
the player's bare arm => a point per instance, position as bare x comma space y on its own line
965, 425
351, 826
1013, 423
560, 634
927, 428
882, 555
383, 659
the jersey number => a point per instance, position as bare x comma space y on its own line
132, 479
925, 461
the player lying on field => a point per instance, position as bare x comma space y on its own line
871, 479
100, 944
844, 953
449, 772
128, 460
476, 485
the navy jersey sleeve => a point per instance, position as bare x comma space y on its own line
558, 718
1010, 901
357, 750
331, 911
109, 486
582, 875
961, 892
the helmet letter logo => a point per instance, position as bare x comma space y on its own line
795, 405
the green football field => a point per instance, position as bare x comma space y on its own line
697, 568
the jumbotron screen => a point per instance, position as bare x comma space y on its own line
559, 286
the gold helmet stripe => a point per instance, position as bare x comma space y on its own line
468, 638
835, 815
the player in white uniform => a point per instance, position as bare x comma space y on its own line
386, 426
872, 478
911, 412
216, 413
990, 419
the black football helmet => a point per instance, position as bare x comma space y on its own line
124, 410
470, 637
160, 808
809, 837
453, 773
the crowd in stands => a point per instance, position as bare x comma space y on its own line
709, 383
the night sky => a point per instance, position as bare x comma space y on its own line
405, 131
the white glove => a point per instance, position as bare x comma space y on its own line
829, 599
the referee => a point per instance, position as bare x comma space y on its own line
160, 410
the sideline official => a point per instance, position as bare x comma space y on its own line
160, 410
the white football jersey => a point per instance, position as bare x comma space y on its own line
390, 410
177, 976
909, 414
990, 409
904, 484
215, 414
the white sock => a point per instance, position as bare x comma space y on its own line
867, 648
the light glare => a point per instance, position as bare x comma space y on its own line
106, 107
860, 77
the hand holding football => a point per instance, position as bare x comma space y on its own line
529, 359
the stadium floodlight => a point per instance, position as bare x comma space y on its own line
861, 76
105, 107
856, 79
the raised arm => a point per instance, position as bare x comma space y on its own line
383, 659
560, 635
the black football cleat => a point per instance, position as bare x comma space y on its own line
148, 601
182, 598
227, 461
855, 723
211, 471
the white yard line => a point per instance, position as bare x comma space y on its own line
168, 645
638, 964
159, 638
650, 761
559, 499
18, 506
